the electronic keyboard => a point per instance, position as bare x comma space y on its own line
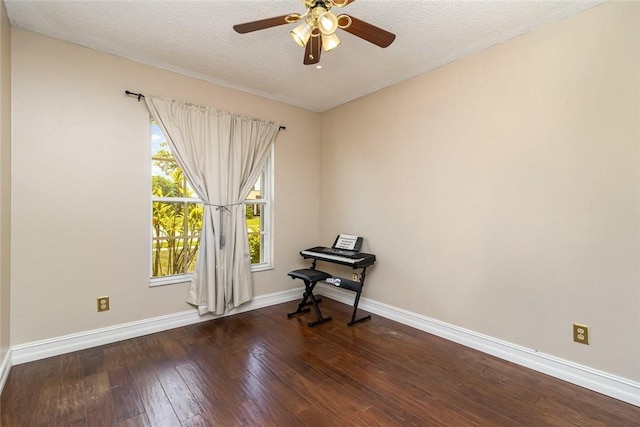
339, 256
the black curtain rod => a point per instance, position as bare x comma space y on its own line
140, 96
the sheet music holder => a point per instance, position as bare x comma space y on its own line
348, 242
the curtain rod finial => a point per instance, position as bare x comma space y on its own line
138, 95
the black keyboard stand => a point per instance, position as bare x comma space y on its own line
311, 276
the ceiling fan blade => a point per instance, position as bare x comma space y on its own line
262, 24
370, 32
312, 51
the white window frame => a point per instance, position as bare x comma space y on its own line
267, 223
266, 215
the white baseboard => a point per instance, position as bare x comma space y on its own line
37, 350
584, 376
5, 367
601, 382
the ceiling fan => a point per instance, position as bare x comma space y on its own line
317, 31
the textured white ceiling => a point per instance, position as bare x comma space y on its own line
196, 38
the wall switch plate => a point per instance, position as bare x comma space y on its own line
581, 333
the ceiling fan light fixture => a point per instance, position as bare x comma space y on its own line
316, 28
330, 42
301, 33
327, 23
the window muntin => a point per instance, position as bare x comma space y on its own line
177, 214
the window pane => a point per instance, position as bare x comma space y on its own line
195, 212
168, 219
174, 256
255, 247
176, 240
156, 134
254, 230
166, 179
163, 163
252, 214
193, 246
159, 258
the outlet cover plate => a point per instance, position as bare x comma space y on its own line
103, 304
581, 333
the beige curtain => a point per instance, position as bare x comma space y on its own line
221, 155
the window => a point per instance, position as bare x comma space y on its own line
177, 214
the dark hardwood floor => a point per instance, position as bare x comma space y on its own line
262, 369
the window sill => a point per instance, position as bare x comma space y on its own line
170, 280
265, 266
186, 278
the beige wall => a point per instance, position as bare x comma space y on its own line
501, 192
81, 178
5, 181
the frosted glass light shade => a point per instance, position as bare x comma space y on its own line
327, 23
301, 33
330, 42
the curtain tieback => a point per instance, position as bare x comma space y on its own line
225, 207
221, 209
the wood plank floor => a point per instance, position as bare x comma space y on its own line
262, 369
